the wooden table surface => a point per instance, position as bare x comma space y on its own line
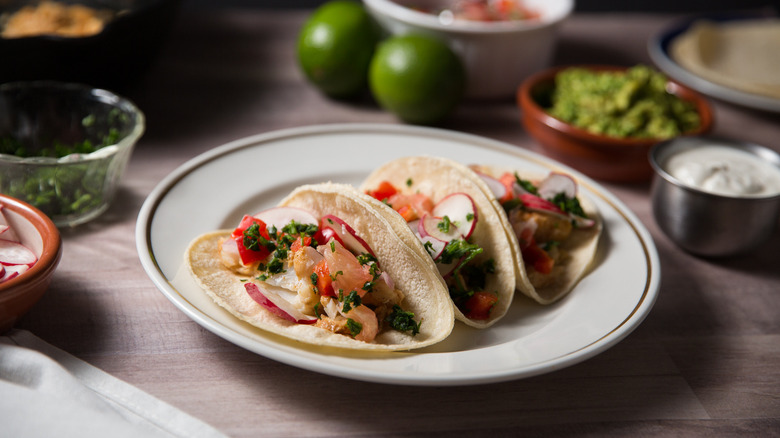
705, 362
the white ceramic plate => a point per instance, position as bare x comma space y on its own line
214, 190
658, 48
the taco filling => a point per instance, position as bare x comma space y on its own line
445, 229
315, 271
543, 216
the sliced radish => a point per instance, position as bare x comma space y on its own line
556, 183
434, 247
496, 187
279, 217
13, 253
438, 241
429, 227
6, 231
534, 202
461, 210
347, 235
13, 271
277, 305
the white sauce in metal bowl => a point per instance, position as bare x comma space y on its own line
725, 171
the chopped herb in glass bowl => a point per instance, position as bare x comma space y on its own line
64, 147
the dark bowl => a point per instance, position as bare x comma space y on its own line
37, 232
598, 156
115, 58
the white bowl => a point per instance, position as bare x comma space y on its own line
497, 55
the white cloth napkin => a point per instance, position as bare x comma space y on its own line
46, 392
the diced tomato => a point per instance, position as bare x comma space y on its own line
411, 207
479, 305
249, 256
324, 282
508, 180
299, 243
384, 191
538, 258
407, 213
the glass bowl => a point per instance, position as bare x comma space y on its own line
65, 146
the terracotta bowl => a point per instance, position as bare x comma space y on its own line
598, 156
38, 233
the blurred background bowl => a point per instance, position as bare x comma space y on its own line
39, 115
115, 58
497, 55
598, 156
38, 233
711, 224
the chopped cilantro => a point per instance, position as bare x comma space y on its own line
511, 204
444, 225
253, 241
408, 182
351, 301
429, 248
470, 217
317, 310
458, 249
354, 327
403, 321
365, 258
276, 265
527, 185
332, 246
568, 205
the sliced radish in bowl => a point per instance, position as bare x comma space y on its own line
13, 253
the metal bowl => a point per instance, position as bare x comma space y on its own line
706, 223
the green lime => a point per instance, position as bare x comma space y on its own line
335, 47
418, 78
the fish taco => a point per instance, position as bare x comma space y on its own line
454, 221
552, 228
324, 267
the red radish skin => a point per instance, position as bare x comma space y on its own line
347, 235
